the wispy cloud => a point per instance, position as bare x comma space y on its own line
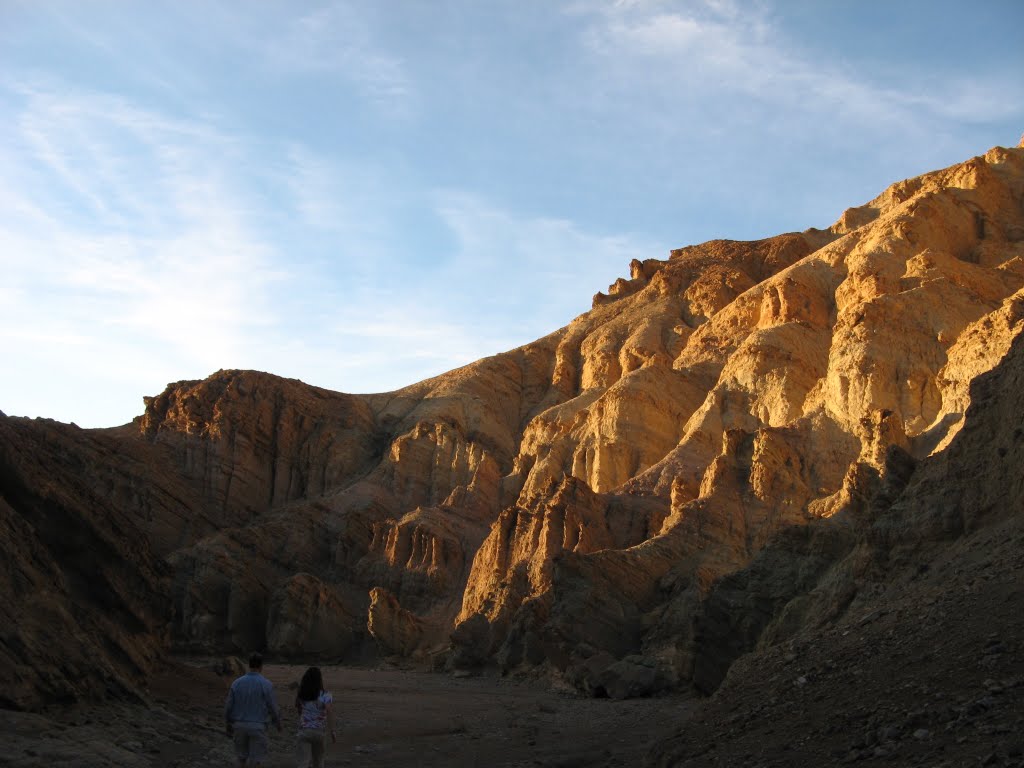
337, 39
139, 249
549, 262
499, 279
136, 252
352, 201
710, 49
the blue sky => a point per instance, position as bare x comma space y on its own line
364, 193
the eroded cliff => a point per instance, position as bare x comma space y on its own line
786, 374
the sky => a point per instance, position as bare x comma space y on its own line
362, 194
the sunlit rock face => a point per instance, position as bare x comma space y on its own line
607, 503
737, 391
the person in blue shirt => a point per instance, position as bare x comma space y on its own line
250, 704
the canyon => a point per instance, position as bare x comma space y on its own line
747, 465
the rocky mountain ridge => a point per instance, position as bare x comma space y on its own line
681, 475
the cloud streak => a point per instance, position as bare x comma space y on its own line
709, 47
551, 260
138, 256
141, 252
336, 39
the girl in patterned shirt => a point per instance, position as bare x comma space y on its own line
313, 704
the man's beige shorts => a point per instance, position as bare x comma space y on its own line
250, 743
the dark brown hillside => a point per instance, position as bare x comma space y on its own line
83, 597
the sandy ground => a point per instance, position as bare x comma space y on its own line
385, 717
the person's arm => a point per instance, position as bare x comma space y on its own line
275, 711
330, 723
228, 706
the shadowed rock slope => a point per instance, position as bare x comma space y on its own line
908, 650
83, 597
630, 503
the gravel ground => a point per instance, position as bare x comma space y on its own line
385, 717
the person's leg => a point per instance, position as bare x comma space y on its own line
240, 737
317, 748
303, 749
258, 746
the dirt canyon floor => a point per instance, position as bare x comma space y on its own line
386, 718
927, 671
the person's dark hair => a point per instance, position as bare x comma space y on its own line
255, 661
311, 685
